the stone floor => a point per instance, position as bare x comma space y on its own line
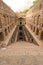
21, 53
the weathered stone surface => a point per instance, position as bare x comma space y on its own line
34, 19
7, 21
21, 53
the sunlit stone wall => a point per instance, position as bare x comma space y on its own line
34, 19
7, 20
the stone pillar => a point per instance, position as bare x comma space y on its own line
3, 35
40, 35
7, 31
9, 19
33, 29
36, 31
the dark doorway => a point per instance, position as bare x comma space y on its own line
20, 33
37, 31
20, 23
5, 31
34, 29
21, 38
42, 36
20, 28
1, 36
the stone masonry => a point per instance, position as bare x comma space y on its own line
34, 19
7, 21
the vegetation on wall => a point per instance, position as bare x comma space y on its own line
25, 11
35, 2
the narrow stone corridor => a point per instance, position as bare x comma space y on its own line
21, 33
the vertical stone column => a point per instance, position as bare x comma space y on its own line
36, 31
4, 35
40, 34
7, 31
31, 27
9, 19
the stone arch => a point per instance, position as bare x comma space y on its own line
8, 29
37, 31
20, 36
38, 19
1, 36
4, 17
42, 35
6, 32
8, 19
34, 19
21, 21
34, 29
20, 28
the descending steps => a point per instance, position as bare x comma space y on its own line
21, 33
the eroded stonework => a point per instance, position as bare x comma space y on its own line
21, 36
34, 19
7, 21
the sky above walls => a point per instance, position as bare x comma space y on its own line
19, 5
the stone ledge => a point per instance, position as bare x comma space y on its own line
36, 39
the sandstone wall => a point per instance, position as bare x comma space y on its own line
34, 19
7, 20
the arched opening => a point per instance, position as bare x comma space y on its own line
34, 19
37, 31
38, 19
8, 29
20, 28
4, 17
1, 36
6, 32
20, 23
34, 29
21, 38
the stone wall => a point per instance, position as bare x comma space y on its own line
7, 20
34, 19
